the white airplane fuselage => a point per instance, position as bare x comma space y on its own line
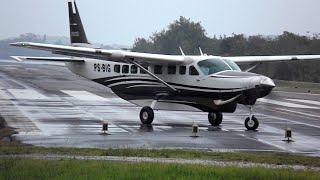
197, 92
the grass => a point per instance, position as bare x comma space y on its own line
11, 168
295, 86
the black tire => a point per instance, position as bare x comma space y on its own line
253, 125
215, 118
146, 115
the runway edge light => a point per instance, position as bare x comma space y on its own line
105, 128
288, 135
195, 128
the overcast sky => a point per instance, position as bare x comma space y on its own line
122, 21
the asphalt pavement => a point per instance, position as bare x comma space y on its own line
49, 106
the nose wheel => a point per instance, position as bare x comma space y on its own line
251, 123
146, 115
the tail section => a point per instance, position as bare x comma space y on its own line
77, 34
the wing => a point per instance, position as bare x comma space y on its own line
259, 59
103, 54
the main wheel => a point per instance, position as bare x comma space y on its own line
215, 118
253, 124
146, 115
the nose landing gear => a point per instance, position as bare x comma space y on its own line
251, 123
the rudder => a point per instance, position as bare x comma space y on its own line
77, 33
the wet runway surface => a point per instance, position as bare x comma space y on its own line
50, 106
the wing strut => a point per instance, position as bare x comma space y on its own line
252, 67
154, 76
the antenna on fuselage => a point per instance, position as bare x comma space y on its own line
201, 53
181, 51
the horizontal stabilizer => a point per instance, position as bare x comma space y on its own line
57, 59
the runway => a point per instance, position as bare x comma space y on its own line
52, 107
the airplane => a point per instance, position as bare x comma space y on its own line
206, 83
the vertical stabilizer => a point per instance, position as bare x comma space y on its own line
77, 33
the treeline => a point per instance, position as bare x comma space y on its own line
191, 35
6, 50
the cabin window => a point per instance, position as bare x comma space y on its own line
125, 69
193, 71
172, 69
117, 68
134, 69
144, 66
182, 70
158, 69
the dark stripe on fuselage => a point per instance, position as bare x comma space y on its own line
109, 82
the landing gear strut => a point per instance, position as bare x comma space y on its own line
215, 118
251, 122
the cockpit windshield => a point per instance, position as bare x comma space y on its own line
232, 64
211, 66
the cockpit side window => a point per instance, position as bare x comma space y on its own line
211, 66
193, 71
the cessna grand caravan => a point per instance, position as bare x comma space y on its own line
205, 83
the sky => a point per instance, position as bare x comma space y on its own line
122, 21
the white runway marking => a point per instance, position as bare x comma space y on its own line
287, 104
3, 95
9, 65
32, 69
306, 101
11, 68
27, 94
84, 95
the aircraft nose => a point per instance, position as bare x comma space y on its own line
267, 82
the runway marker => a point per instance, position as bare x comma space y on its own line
287, 104
27, 94
306, 101
84, 95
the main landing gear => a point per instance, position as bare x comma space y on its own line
251, 122
215, 118
146, 115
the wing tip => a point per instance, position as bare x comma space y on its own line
18, 58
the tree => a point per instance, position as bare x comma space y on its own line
182, 32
